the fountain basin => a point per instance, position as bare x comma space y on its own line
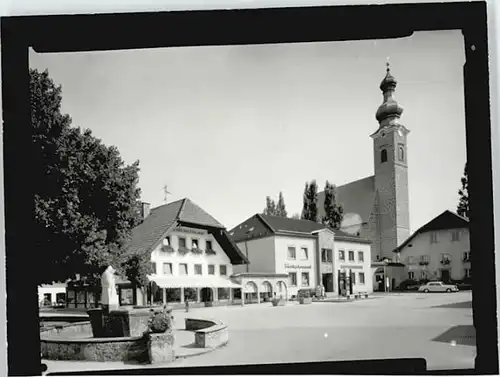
148, 348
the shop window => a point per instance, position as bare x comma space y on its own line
292, 253
353, 278
197, 269
305, 279
223, 270
211, 269
183, 269
411, 275
173, 294
190, 294
292, 276
361, 278
223, 293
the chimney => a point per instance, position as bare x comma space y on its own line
145, 208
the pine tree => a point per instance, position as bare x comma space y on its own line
270, 207
280, 207
305, 201
463, 203
334, 213
310, 207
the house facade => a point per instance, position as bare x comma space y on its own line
192, 257
439, 250
307, 252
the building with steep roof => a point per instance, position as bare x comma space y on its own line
309, 253
191, 253
377, 207
439, 250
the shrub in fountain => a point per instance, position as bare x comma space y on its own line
161, 338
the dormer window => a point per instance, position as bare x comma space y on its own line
383, 155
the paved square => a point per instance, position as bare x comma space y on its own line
437, 327
395, 326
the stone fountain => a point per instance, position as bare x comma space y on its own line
113, 333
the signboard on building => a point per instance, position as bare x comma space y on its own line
183, 229
298, 266
326, 268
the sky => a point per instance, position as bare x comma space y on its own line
227, 126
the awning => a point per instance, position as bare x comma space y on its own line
193, 282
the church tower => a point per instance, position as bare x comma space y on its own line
391, 174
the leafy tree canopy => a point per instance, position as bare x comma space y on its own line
86, 198
275, 209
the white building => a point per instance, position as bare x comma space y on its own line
52, 294
308, 252
191, 254
439, 250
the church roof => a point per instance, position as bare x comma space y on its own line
260, 226
444, 221
147, 235
357, 197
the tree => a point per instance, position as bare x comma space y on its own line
334, 213
275, 209
280, 207
296, 216
463, 202
86, 198
310, 206
270, 207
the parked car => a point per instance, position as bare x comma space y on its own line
438, 286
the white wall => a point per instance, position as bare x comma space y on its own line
421, 245
53, 289
356, 266
260, 255
220, 258
298, 265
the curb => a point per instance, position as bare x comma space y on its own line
201, 352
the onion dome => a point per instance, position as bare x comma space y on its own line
390, 108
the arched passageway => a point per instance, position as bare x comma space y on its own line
207, 295
281, 290
250, 292
266, 291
